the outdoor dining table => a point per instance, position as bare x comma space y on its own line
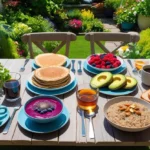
70, 134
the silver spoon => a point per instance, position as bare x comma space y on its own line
90, 115
6, 129
134, 70
81, 112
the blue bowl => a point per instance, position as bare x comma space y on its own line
43, 120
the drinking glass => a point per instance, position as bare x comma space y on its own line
87, 97
12, 87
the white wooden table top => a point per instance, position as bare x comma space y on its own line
105, 134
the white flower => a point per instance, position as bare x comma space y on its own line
122, 50
133, 8
134, 13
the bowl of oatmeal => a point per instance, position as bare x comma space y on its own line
128, 113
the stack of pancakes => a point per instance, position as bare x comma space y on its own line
51, 77
50, 59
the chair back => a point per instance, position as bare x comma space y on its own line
123, 38
39, 37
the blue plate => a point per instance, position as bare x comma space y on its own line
67, 64
93, 71
5, 119
119, 92
34, 127
56, 92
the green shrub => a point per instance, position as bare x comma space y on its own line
144, 43
8, 48
35, 7
93, 25
20, 29
114, 4
74, 14
39, 24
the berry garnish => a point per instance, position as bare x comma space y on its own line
43, 107
105, 61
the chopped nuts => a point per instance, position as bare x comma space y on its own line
138, 112
128, 114
132, 106
127, 105
130, 109
122, 108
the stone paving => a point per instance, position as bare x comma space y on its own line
111, 25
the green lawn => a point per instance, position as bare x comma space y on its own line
80, 48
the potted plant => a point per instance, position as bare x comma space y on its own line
143, 14
110, 6
127, 18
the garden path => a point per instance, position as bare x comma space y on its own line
111, 25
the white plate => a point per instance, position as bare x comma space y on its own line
101, 69
52, 89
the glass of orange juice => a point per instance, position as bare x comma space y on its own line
87, 97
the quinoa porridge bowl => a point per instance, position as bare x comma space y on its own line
128, 113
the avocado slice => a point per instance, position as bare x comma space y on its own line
131, 82
101, 80
119, 81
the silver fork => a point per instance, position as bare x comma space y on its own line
73, 69
134, 70
23, 67
79, 70
5, 131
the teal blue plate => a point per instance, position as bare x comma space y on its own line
34, 127
93, 71
5, 119
55, 92
67, 64
119, 92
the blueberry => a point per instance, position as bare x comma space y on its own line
45, 110
102, 56
50, 109
94, 55
93, 65
111, 66
38, 109
108, 63
42, 112
53, 108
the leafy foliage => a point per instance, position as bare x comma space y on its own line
8, 48
93, 25
87, 14
127, 15
4, 75
74, 14
144, 43
133, 53
114, 4
144, 7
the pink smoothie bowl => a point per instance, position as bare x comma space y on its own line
43, 109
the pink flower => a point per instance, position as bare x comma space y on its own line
75, 23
